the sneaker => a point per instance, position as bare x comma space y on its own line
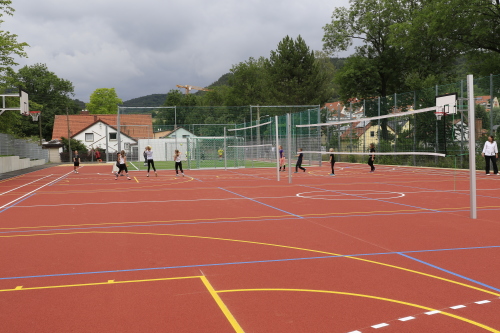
332, 174
116, 178
304, 169
182, 175
487, 174
147, 175
296, 172
129, 178
156, 174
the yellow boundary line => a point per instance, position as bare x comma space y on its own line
266, 244
222, 306
229, 316
245, 218
367, 296
18, 288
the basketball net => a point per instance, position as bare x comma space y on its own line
34, 115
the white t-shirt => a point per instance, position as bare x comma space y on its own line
122, 160
149, 154
490, 148
178, 158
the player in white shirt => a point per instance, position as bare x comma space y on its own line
490, 153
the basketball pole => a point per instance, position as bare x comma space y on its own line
472, 146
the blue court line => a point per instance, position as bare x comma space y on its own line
15, 203
281, 210
247, 262
362, 197
240, 221
450, 272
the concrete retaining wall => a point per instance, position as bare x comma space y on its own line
13, 163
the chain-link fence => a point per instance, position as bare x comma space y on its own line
10, 146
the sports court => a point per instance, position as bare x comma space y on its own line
238, 251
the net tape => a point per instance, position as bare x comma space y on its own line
355, 120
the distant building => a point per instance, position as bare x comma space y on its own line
91, 129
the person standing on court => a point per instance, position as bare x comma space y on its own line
371, 159
98, 156
282, 158
178, 163
298, 165
151, 162
76, 162
490, 153
332, 162
121, 161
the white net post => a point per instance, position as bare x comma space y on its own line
277, 149
472, 146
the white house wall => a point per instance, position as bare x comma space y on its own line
99, 138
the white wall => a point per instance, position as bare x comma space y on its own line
163, 149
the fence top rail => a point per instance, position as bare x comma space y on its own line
244, 128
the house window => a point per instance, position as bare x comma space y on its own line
112, 136
89, 137
185, 136
372, 133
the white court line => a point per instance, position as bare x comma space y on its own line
483, 302
134, 165
457, 307
406, 318
432, 312
24, 185
380, 325
13, 201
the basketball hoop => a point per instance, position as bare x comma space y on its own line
34, 115
439, 115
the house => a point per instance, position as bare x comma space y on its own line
101, 130
485, 101
178, 133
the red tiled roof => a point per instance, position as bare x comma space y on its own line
78, 122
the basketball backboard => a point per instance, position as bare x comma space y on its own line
24, 106
447, 103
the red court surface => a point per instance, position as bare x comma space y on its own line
239, 251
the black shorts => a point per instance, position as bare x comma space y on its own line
76, 164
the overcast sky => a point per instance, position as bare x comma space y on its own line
147, 47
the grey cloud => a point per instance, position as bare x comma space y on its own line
148, 47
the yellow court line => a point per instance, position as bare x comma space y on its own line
98, 283
136, 179
148, 222
222, 306
247, 217
266, 244
368, 296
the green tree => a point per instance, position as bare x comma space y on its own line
295, 76
249, 83
370, 22
104, 101
10, 46
47, 93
